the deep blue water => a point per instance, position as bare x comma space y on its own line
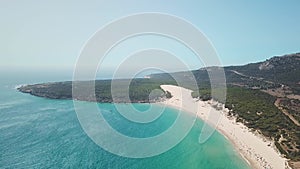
44, 133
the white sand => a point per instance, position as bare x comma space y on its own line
257, 150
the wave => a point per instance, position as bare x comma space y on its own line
19, 85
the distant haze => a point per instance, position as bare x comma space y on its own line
48, 35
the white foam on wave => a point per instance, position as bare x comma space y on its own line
19, 85
5, 106
3, 126
11, 103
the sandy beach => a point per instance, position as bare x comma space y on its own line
258, 151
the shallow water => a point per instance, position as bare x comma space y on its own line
44, 133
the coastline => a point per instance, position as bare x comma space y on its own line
258, 151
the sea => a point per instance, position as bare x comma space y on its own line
46, 133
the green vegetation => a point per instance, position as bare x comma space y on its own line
256, 110
280, 70
168, 94
203, 94
139, 90
245, 98
292, 106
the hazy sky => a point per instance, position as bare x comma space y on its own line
49, 34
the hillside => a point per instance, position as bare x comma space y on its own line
284, 70
265, 96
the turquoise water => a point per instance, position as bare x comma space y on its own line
44, 133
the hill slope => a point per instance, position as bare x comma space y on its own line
265, 96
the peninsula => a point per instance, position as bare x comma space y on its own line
262, 104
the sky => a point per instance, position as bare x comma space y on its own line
49, 34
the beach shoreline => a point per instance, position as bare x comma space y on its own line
258, 151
